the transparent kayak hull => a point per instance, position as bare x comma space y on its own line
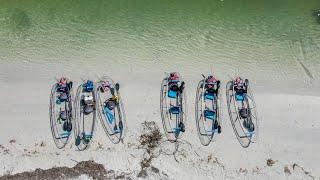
61, 116
85, 116
246, 128
173, 110
113, 118
207, 114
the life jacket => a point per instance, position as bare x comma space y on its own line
240, 86
211, 85
62, 88
105, 86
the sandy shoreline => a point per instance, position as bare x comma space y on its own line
288, 134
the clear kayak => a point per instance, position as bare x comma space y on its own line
110, 109
242, 113
85, 114
61, 113
173, 106
208, 110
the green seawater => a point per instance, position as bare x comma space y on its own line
279, 39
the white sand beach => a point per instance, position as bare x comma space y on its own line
287, 148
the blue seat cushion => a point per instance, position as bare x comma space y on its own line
240, 97
174, 110
210, 114
109, 114
172, 94
209, 96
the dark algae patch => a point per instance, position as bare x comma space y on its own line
90, 168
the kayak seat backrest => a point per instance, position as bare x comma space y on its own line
210, 114
240, 96
174, 110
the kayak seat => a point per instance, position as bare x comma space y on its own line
210, 114
109, 114
240, 96
172, 94
174, 110
209, 96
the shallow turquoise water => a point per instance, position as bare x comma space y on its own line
279, 39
